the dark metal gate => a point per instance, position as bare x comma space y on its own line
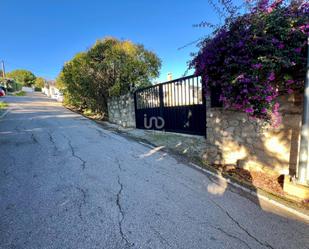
177, 106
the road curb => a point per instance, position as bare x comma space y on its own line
247, 190
264, 197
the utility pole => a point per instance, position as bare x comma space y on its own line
303, 164
3, 69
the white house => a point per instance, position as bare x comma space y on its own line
52, 91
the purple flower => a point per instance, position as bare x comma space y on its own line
249, 110
257, 66
237, 106
269, 88
271, 77
240, 44
289, 82
274, 40
304, 28
250, 79
264, 110
269, 98
281, 46
222, 98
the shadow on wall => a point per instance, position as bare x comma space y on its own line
233, 138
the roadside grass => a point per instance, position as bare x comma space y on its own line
21, 93
3, 105
86, 112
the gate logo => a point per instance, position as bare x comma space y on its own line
154, 122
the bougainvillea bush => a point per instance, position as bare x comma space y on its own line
257, 56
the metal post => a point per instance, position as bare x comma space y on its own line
161, 99
303, 165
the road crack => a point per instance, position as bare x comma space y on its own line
82, 202
208, 224
265, 244
119, 165
52, 140
230, 235
161, 238
34, 139
121, 212
76, 156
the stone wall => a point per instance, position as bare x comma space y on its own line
121, 110
233, 138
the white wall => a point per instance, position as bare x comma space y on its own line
27, 89
51, 91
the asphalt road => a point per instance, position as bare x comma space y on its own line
67, 183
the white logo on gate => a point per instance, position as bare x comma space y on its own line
154, 122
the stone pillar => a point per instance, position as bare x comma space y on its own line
121, 110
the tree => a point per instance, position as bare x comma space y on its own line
124, 64
256, 56
110, 68
25, 77
39, 82
74, 80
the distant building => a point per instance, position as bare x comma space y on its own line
50, 89
169, 76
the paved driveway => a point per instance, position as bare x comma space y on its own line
67, 183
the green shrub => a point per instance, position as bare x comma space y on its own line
20, 93
11, 85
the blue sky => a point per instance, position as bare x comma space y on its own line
42, 35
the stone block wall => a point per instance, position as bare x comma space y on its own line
121, 110
233, 138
